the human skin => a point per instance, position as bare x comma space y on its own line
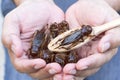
14, 38
19, 25
97, 52
114, 4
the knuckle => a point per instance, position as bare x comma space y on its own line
33, 75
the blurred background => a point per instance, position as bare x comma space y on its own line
2, 55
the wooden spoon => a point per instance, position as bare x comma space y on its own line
55, 44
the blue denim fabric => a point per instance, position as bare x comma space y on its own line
7, 6
64, 4
109, 71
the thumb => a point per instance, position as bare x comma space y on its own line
110, 40
71, 18
16, 45
11, 33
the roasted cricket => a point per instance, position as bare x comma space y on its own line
68, 40
42, 38
75, 38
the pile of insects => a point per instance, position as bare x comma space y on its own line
41, 39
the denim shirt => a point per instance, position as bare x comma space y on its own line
7, 6
109, 71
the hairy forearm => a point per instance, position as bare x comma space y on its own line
114, 4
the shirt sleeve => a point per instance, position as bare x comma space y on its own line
7, 6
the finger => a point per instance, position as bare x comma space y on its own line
56, 16
85, 73
51, 78
95, 60
68, 77
57, 76
71, 18
71, 77
108, 42
70, 68
53, 68
25, 65
48, 71
11, 33
111, 39
79, 78
29, 66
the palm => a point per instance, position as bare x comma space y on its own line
33, 17
19, 26
93, 13
90, 14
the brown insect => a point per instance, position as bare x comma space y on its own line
77, 36
40, 41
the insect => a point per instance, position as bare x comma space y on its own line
77, 36
42, 38
39, 39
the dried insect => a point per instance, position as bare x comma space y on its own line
66, 57
54, 30
40, 41
68, 40
63, 26
61, 58
47, 55
72, 57
37, 41
78, 35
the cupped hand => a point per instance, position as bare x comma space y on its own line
19, 26
100, 50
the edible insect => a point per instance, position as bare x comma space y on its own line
42, 38
39, 39
78, 35
75, 38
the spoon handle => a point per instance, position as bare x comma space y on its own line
107, 26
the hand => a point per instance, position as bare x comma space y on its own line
19, 25
97, 52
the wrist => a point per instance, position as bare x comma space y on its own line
115, 4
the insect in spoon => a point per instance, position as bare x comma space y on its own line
76, 38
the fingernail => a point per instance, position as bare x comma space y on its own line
105, 47
69, 78
52, 71
83, 67
57, 78
73, 71
37, 66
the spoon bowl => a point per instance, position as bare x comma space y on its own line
55, 44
